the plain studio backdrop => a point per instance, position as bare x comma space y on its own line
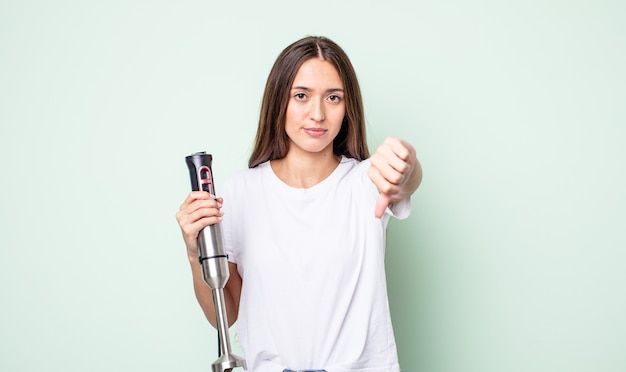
513, 258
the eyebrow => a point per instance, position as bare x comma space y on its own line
331, 90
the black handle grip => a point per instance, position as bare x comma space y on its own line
200, 172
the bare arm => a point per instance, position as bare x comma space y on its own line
232, 292
199, 210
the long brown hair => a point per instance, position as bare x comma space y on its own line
271, 138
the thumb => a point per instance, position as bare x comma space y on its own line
381, 204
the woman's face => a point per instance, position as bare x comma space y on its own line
316, 108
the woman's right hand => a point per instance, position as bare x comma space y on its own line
198, 211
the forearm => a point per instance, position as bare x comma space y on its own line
204, 295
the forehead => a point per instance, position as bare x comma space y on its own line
317, 72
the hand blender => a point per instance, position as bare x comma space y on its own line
214, 262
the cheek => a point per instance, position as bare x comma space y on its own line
291, 114
339, 116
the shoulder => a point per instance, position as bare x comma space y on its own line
352, 165
246, 174
242, 180
355, 169
352, 175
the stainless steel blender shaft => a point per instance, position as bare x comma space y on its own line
215, 272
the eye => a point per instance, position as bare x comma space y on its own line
334, 98
300, 96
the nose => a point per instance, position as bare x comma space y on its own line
316, 112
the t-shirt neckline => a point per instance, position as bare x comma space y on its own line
339, 171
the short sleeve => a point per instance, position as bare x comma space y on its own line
401, 209
227, 226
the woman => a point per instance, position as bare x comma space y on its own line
304, 226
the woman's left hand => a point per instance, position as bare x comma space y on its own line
395, 171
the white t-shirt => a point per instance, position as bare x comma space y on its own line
314, 292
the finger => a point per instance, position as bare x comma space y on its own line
393, 160
198, 209
381, 205
388, 170
193, 223
399, 148
196, 195
382, 184
191, 232
192, 229
203, 200
204, 213
200, 195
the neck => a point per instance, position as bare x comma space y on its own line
305, 170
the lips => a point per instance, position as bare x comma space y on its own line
315, 132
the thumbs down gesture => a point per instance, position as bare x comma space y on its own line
395, 171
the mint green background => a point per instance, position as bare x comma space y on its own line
513, 259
